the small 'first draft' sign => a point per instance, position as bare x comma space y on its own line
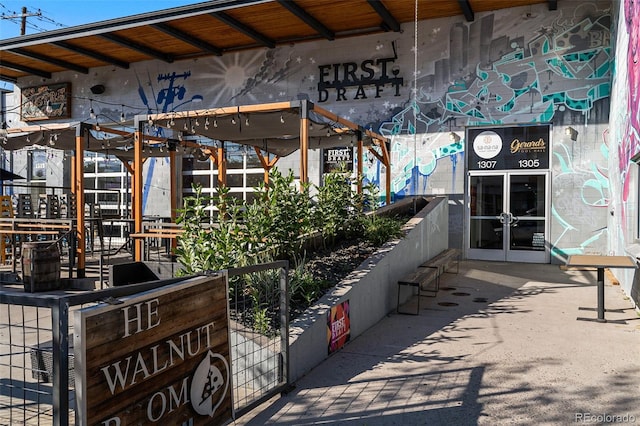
161, 357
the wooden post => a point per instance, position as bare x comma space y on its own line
136, 194
78, 189
360, 165
221, 162
173, 194
387, 164
304, 149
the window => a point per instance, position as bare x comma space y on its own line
254, 179
235, 180
37, 165
109, 164
199, 180
108, 183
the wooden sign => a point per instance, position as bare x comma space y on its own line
46, 102
160, 357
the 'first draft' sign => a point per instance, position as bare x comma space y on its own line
161, 357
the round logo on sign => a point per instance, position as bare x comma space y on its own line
487, 144
209, 384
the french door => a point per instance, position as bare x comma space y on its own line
507, 216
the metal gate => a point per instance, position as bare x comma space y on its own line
36, 344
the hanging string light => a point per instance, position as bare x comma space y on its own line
92, 113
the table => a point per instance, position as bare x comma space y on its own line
34, 229
158, 231
601, 262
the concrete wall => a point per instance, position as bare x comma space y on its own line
371, 289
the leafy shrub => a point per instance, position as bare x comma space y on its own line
272, 227
336, 209
379, 229
279, 215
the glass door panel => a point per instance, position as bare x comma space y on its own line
527, 226
508, 217
486, 236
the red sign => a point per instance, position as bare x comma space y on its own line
338, 326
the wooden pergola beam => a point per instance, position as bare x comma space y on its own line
136, 193
267, 165
78, 191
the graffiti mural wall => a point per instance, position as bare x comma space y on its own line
421, 87
625, 141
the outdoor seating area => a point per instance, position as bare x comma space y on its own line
27, 222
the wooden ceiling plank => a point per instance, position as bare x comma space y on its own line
239, 26
8, 78
247, 24
22, 68
138, 47
187, 38
92, 54
308, 19
467, 11
50, 60
389, 21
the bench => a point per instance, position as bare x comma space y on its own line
427, 277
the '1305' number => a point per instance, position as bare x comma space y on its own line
529, 164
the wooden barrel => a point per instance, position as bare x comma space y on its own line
40, 266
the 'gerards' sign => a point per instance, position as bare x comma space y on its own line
161, 357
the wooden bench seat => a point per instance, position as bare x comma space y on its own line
427, 277
444, 260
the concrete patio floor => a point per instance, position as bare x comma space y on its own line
502, 343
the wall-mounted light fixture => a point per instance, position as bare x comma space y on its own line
98, 89
571, 132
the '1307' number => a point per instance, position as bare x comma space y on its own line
488, 164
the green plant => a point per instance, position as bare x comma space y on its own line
303, 287
204, 246
272, 227
337, 207
379, 229
279, 215
375, 228
261, 320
